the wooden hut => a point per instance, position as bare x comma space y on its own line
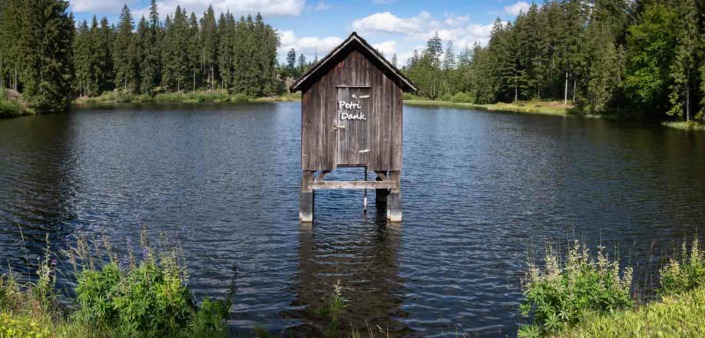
351, 116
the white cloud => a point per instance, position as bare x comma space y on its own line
268, 8
387, 48
307, 45
402, 35
387, 22
99, 7
517, 8
321, 6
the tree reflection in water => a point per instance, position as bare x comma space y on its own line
363, 260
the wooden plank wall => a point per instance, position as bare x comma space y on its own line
319, 113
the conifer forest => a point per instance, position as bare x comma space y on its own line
642, 57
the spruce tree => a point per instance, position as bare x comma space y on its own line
123, 52
209, 40
47, 38
683, 67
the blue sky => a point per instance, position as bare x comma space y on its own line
316, 26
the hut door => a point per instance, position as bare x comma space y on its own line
353, 115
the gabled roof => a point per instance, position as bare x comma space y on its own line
353, 42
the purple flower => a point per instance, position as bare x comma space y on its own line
145, 253
122, 264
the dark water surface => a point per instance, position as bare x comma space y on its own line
479, 190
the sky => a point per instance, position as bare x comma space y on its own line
314, 27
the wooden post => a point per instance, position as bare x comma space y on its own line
394, 203
364, 195
306, 198
381, 194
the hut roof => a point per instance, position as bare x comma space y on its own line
352, 43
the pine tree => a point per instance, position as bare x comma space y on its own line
150, 45
650, 43
229, 50
210, 43
194, 50
683, 68
82, 58
124, 51
302, 64
10, 44
47, 38
104, 49
449, 57
291, 63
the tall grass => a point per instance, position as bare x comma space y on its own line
559, 293
138, 295
589, 295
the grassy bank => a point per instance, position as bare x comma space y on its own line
12, 104
214, 96
588, 295
555, 108
530, 107
674, 316
692, 125
142, 294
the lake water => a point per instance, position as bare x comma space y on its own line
479, 191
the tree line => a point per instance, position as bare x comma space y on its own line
50, 59
645, 56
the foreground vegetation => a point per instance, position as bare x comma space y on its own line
589, 295
141, 295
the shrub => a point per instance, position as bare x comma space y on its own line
684, 275
447, 97
141, 297
558, 295
461, 98
240, 98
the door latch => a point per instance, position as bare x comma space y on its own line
336, 127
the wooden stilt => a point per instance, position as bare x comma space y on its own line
381, 194
394, 199
306, 198
364, 195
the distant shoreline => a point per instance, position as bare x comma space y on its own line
544, 108
210, 96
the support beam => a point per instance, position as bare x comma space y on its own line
381, 194
394, 200
318, 185
306, 198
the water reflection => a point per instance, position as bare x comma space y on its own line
37, 178
363, 260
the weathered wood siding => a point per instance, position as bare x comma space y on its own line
319, 143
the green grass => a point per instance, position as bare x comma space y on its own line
674, 316
215, 96
530, 107
692, 125
589, 296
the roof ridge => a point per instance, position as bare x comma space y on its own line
407, 85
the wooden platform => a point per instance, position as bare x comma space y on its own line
387, 187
